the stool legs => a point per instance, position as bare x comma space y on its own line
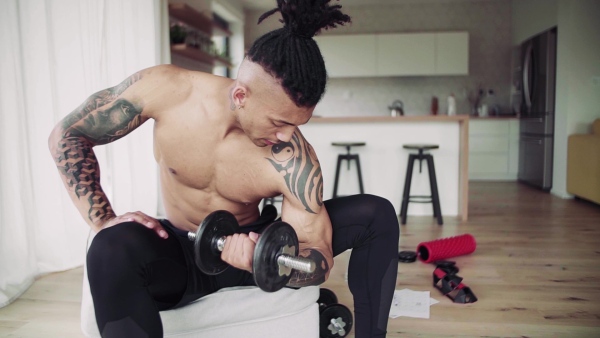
347, 158
407, 182
360, 181
435, 197
337, 175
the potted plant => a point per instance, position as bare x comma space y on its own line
178, 34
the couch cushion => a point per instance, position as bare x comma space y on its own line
596, 127
239, 306
583, 164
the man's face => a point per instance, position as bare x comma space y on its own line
268, 121
268, 115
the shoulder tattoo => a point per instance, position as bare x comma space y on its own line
297, 162
104, 118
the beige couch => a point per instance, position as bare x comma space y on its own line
583, 164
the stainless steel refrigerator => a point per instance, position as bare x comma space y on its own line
536, 141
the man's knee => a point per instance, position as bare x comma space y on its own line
384, 213
119, 247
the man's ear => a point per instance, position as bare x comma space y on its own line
239, 95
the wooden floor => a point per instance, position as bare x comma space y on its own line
536, 272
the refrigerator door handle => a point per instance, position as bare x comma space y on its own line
531, 140
526, 69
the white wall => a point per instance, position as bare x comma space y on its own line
578, 62
578, 67
530, 17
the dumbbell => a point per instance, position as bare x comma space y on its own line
335, 320
275, 253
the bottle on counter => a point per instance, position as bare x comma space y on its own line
434, 105
486, 100
451, 105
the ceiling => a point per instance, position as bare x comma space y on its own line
269, 4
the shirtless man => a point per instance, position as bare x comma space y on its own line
223, 144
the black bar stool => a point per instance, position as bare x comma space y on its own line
434, 198
347, 157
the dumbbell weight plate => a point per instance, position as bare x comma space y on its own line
342, 317
206, 254
270, 245
326, 298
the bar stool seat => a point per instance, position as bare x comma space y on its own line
417, 146
434, 198
348, 157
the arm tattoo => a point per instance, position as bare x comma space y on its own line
101, 126
297, 163
300, 279
101, 119
98, 100
77, 162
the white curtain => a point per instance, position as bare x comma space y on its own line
53, 55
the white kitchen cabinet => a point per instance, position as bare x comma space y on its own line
493, 149
401, 54
349, 55
405, 54
452, 53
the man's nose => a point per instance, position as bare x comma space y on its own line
285, 135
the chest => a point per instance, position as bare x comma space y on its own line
198, 158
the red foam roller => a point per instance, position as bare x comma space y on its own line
446, 248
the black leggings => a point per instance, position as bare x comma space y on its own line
134, 274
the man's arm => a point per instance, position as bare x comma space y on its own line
303, 206
104, 117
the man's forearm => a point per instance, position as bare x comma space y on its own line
80, 172
300, 279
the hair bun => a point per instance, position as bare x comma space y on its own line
306, 18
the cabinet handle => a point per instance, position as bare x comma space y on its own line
532, 141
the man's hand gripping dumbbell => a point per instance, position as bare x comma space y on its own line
275, 253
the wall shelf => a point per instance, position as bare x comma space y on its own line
219, 61
192, 53
191, 17
199, 55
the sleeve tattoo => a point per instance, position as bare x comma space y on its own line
297, 163
101, 119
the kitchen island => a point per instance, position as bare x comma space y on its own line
384, 161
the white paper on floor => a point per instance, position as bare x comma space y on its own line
411, 303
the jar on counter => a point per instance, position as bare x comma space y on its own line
451, 105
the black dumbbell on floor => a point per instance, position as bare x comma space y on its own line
335, 320
275, 254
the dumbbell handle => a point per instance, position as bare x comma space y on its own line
296, 263
293, 262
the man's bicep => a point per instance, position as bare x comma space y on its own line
300, 171
106, 115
